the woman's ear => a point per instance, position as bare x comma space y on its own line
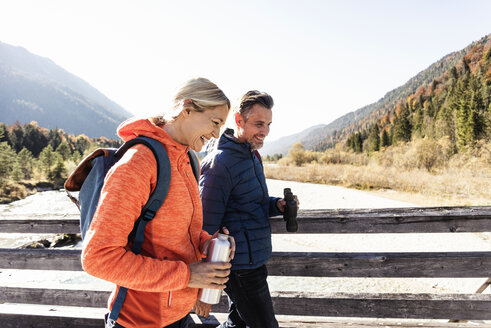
185, 111
185, 107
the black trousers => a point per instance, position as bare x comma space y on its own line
250, 304
183, 323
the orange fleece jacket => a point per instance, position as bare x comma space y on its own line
156, 278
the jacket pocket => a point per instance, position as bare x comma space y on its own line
248, 246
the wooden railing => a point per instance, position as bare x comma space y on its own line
476, 264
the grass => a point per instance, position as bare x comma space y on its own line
15, 190
396, 173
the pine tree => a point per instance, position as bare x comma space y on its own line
25, 163
64, 150
349, 142
464, 128
358, 143
453, 74
385, 142
82, 143
402, 126
7, 157
476, 117
418, 123
430, 109
59, 171
47, 159
374, 138
3, 133
35, 140
16, 173
16, 137
54, 138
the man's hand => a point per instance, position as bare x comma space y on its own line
202, 309
281, 203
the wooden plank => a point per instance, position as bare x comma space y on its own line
404, 211
409, 306
40, 226
404, 265
43, 321
288, 321
35, 223
404, 220
41, 259
65, 297
398, 220
379, 323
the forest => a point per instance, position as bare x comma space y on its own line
456, 105
32, 157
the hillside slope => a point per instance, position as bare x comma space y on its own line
33, 88
326, 136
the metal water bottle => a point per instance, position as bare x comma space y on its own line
218, 251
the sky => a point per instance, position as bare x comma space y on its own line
318, 59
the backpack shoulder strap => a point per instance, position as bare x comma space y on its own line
193, 159
159, 194
148, 212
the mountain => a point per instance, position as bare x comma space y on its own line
34, 88
340, 129
281, 146
362, 118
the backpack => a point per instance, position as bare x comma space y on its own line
88, 179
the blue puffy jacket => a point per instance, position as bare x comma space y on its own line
234, 194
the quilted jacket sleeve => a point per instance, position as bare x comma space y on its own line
215, 186
273, 209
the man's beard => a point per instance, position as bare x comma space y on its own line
255, 145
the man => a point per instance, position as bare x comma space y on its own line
234, 194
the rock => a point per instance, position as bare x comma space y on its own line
67, 240
44, 243
59, 240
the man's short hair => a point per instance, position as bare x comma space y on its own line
254, 97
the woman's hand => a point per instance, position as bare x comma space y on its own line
202, 309
231, 240
209, 274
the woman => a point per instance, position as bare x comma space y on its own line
163, 280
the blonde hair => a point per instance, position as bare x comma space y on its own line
198, 94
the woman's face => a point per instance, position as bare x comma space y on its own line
199, 127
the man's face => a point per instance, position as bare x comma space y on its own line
255, 126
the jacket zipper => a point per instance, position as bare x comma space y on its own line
262, 188
192, 215
255, 172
